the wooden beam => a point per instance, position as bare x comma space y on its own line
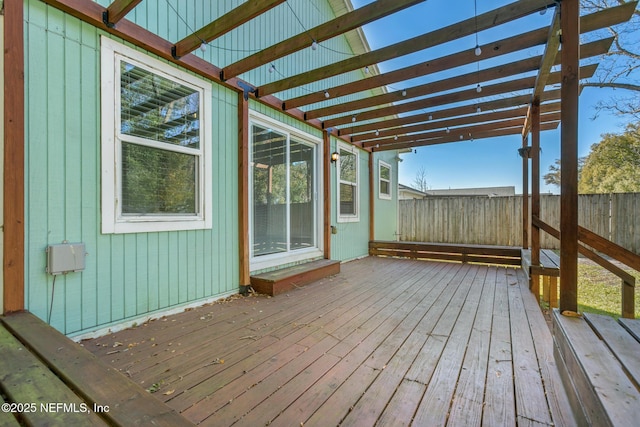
370, 138
525, 195
535, 181
439, 114
326, 192
570, 25
465, 131
598, 20
243, 189
534, 154
227, 22
516, 130
91, 13
118, 10
14, 142
501, 71
470, 26
470, 94
333, 28
490, 50
591, 22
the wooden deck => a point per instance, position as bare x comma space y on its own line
386, 342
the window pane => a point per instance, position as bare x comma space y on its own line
385, 173
347, 166
302, 195
384, 187
269, 191
347, 199
159, 109
157, 181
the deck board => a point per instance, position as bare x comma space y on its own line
387, 341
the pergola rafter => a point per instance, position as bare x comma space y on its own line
467, 27
333, 28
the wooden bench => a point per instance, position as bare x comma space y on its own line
598, 363
45, 366
501, 255
285, 279
548, 269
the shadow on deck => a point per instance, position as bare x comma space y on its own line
386, 341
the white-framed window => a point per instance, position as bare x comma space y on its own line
384, 180
348, 188
285, 211
156, 144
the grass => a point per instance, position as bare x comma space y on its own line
599, 291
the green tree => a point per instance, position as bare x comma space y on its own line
553, 177
613, 166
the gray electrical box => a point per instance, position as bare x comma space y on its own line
65, 258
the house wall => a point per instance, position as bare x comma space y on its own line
386, 211
129, 276
352, 238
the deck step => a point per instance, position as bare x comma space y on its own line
623, 346
283, 280
71, 367
605, 394
25, 380
632, 326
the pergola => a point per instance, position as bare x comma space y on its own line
389, 121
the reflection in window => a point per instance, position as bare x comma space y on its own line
348, 179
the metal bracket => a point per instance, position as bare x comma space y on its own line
525, 152
247, 89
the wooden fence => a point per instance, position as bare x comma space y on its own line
498, 220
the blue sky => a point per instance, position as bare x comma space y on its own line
491, 161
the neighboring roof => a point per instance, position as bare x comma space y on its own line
482, 191
407, 189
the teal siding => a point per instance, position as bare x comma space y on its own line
386, 211
126, 276
352, 239
132, 275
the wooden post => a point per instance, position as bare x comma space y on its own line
326, 190
525, 194
372, 222
535, 193
14, 140
243, 188
570, 24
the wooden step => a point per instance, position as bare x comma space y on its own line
621, 343
604, 394
24, 379
94, 381
283, 280
632, 326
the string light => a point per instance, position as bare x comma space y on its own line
272, 68
326, 94
448, 130
395, 138
430, 117
353, 118
314, 45
478, 88
377, 132
404, 92
377, 145
461, 137
366, 69
478, 110
478, 51
203, 47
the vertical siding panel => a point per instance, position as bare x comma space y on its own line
141, 276
152, 269
72, 178
36, 234
55, 159
117, 277
130, 275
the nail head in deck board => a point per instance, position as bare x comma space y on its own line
283, 280
26, 380
80, 370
